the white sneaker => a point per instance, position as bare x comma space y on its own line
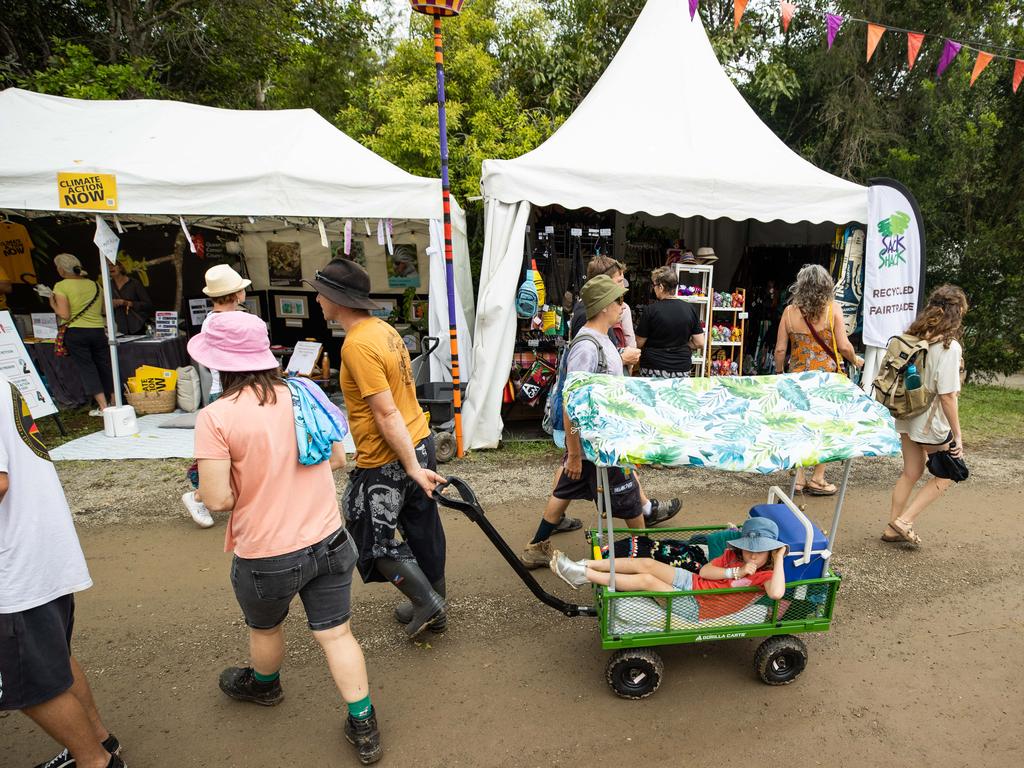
96, 412
197, 509
572, 572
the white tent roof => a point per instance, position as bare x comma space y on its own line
665, 131
182, 159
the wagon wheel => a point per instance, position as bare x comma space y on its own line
780, 660
444, 447
634, 673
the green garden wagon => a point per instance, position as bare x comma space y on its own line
741, 424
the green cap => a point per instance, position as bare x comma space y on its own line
598, 292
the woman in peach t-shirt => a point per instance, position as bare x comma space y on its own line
285, 527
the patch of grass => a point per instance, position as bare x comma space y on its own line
989, 413
77, 422
518, 450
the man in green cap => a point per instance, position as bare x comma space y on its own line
591, 352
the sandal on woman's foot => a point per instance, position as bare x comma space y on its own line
813, 489
901, 533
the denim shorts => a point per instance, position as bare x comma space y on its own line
320, 574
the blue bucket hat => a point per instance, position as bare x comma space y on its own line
759, 534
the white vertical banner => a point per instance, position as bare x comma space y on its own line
894, 259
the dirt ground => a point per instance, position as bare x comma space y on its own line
921, 666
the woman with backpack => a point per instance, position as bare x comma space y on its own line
813, 332
932, 437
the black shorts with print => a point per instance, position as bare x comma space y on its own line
382, 502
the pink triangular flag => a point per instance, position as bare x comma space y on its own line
949, 52
834, 23
875, 32
737, 12
693, 8
914, 40
1018, 73
788, 9
979, 65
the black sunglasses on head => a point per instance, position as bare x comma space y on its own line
332, 283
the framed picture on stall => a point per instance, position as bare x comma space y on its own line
284, 261
291, 306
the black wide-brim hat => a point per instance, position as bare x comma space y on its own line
344, 282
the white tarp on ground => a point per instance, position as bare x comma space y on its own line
215, 165
664, 131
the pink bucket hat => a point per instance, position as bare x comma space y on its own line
233, 341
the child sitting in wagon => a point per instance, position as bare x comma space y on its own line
754, 559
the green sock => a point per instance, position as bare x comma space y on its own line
265, 678
361, 709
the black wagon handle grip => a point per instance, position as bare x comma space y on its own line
467, 503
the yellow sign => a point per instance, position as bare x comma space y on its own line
87, 191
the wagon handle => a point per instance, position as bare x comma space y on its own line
470, 507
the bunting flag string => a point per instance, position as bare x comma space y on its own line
950, 48
788, 10
875, 32
693, 8
914, 40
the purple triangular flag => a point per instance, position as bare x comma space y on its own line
834, 23
693, 8
949, 52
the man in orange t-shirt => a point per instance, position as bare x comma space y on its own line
389, 492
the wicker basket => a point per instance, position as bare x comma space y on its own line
144, 403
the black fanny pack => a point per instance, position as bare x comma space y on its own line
944, 465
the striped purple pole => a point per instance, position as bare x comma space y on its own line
449, 267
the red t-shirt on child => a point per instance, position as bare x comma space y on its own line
713, 607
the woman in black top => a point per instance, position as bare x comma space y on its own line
668, 331
132, 305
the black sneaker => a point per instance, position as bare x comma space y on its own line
660, 512
365, 736
240, 683
65, 760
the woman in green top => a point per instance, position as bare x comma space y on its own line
78, 303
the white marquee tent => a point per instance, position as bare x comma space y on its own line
664, 131
228, 168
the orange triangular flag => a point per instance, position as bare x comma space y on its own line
979, 65
737, 12
1018, 74
788, 9
875, 32
914, 40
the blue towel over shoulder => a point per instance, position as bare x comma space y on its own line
319, 423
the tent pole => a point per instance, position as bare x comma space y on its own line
449, 267
108, 307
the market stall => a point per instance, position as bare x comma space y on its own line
275, 193
664, 140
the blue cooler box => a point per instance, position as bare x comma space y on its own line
793, 534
